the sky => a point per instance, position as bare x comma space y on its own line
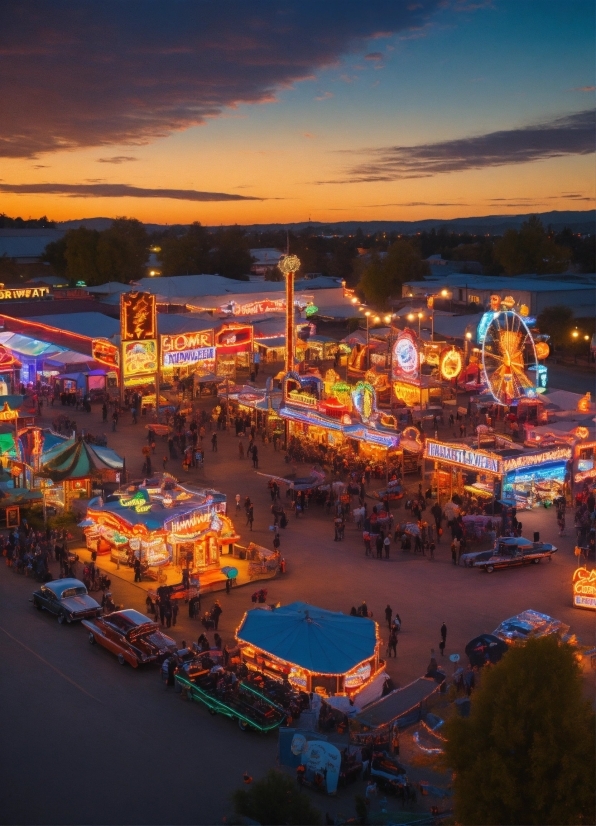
234, 112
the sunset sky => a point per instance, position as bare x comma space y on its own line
256, 112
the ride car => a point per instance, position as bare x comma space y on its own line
387, 772
515, 551
131, 636
67, 599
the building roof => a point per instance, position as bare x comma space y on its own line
531, 283
93, 325
320, 641
27, 243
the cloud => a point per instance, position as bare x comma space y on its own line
374, 56
99, 190
308, 135
41, 166
107, 72
583, 89
567, 135
117, 159
324, 96
414, 204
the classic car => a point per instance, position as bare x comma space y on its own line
67, 599
514, 551
387, 772
130, 635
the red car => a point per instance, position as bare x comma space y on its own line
130, 635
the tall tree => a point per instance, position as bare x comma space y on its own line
529, 250
122, 251
525, 755
187, 254
231, 256
556, 322
275, 799
81, 255
55, 255
383, 278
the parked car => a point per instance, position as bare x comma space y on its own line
514, 551
131, 636
387, 772
67, 599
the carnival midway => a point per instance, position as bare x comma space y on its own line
316, 547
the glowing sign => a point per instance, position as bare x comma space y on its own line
192, 523
23, 292
557, 454
584, 403
311, 310
139, 502
188, 356
298, 397
105, 353
8, 415
187, 341
407, 393
356, 678
457, 455
365, 400
584, 589
139, 358
542, 350
451, 363
138, 318
405, 355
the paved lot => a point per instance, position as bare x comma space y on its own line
91, 742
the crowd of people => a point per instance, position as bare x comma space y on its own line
30, 552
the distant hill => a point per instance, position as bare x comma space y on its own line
578, 220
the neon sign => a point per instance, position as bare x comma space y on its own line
484, 324
299, 397
105, 353
23, 292
186, 341
451, 363
361, 675
139, 502
138, 319
365, 400
558, 454
584, 589
192, 523
139, 358
405, 355
461, 456
188, 356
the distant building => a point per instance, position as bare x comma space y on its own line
537, 292
266, 259
26, 246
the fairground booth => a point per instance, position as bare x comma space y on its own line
316, 650
338, 415
500, 469
411, 387
162, 523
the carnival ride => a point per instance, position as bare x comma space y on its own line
508, 357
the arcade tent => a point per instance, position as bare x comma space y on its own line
316, 650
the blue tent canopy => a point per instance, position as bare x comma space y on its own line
323, 642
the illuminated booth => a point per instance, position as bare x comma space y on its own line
326, 652
348, 413
187, 354
409, 386
234, 347
527, 478
162, 522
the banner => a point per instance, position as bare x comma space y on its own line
104, 352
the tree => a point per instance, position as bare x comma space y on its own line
122, 251
525, 755
231, 256
556, 322
275, 799
187, 254
81, 255
382, 279
55, 255
530, 250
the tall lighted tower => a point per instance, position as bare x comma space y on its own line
290, 266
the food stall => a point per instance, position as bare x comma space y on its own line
325, 652
162, 522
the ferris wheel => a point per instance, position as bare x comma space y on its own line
509, 357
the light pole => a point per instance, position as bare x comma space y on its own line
413, 316
289, 267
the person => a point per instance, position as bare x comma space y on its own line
433, 666
104, 412
250, 517
216, 612
168, 614
379, 545
282, 565
172, 665
240, 449
392, 644
214, 443
388, 615
238, 500
218, 642
255, 457
431, 550
363, 610
386, 546
454, 547
174, 612
395, 740
276, 541
228, 586
367, 546
444, 632
193, 606
137, 569
114, 419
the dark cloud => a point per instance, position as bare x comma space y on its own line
108, 72
568, 135
117, 159
415, 204
99, 190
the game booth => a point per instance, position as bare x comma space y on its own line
162, 522
325, 652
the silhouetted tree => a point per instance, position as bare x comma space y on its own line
529, 250
276, 799
525, 755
